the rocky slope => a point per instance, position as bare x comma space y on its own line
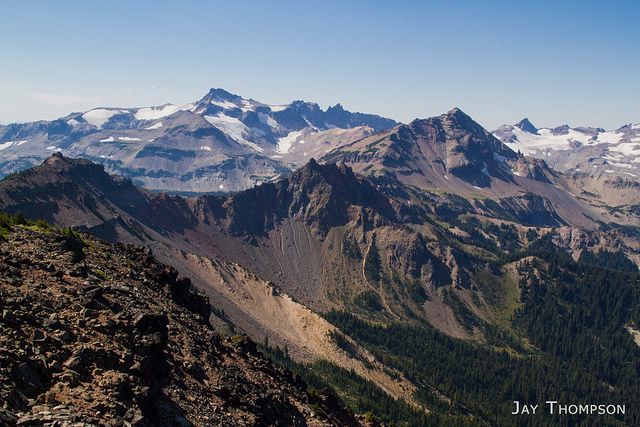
220, 143
97, 334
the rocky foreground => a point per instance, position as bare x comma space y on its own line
99, 334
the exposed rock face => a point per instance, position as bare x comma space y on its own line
105, 335
469, 149
535, 169
424, 151
527, 126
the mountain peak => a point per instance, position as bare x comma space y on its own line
222, 94
526, 126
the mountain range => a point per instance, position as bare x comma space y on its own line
585, 150
430, 259
220, 143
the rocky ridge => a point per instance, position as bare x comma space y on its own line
99, 334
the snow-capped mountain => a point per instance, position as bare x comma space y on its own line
220, 143
588, 150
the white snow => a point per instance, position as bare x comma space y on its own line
221, 186
110, 139
276, 108
73, 122
309, 123
10, 143
223, 103
204, 147
276, 156
446, 177
267, 120
100, 116
155, 126
485, 170
232, 127
609, 137
284, 143
626, 148
128, 138
499, 158
155, 113
621, 165
516, 173
52, 147
528, 143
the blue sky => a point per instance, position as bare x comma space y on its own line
556, 62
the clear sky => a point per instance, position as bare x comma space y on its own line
555, 62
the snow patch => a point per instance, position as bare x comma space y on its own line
485, 170
276, 108
499, 158
329, 126
221, 186
529, 144
73, 122
10, 143
110, 139
232, 127
609, 137
100, 116
155, 113
223, 103
284, 143
267, 120
626, 148
128, 138
155, 126
204, 147
51, 147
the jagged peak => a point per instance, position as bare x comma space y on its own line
222, 94
527, 126
336, 107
